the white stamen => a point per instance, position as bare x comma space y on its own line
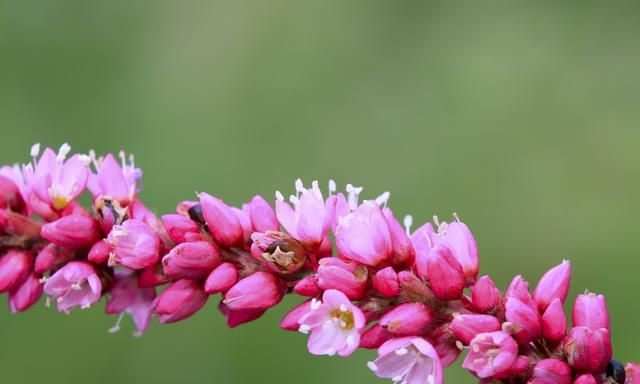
94, 159
279, 196
436, 221
85, 159
455, 217
116, 327
76, 286
343, 308
372, 366
352, 196
132, 160
350, 340
63, 152
332, 187
304, 328
315, 304
402, 351
299, 187
47, 303
29, 168
396, 379
383, 199
408, 222
331, 352
85, 306
43, 280
123, 158
35, 150
294, 200
459, 345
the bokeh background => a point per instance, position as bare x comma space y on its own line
521, 116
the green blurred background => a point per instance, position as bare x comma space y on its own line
521, 116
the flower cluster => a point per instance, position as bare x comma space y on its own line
367, 280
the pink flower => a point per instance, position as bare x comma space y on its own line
179, 301
632, 373
551, 371
590, 310
347, 277
554, 322
114, 181
445, 273
10, 195
236, 318
180, 227
263, 217
407, 319
127, 297
491, 354
74, 285
192, 260
467, 326
280, 252
15, 267
411, 360
386, 282
223, 223
553, 285
589, 379
55, 181
73, 231
310, 216
588, 350
403, 253
525, 320
307, 286
221, 279
135, 244
335, 325
363, 235
26, 295
485, 296
258, 291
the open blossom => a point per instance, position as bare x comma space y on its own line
74, 285
135, 244
114, 181
127, 297
335, 325
410, 360
491, 353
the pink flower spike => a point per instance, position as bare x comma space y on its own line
263, 217
221, 220
467, 326
15, 267
525, 319
348, 277
73, 232
386, 282
403, 252
114, 181
588, 350
179, 226
363, 236
191, 260
491, 354
554, 322
485, 296
310, 216
553, 285
25, 295
221, 279
335, 325
551, 371
135, 244
459, 238
74, 285
590, 310
179, 301
407, 319
127, 297
589, 379
445, 273
412, 360
259, 291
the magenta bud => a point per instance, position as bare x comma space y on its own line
307, 286
75, 231
525, 320
461, 241
136, 245
412, 288
221, 220
403, 253
485, 296
374, 337
445, 273
235, 318
263, 217
553, 285
386, 282
589, 379
519, 367
259, 291
152, 277
99, 252
554, 322
407, 319
51, 257
15, 267
18, 225
179, 226
465, 327
291, 321
551, 371
221, 279
588, 350
10, 196
519, 288
590, 310
348, 277
180, 300
191, 260
25, 295
445, 343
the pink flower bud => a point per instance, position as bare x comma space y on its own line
587, 379
491, 354
485, 296
553, 285
409, 360
178, 226
403, 252
445, 273
551, 371
525, 319
263, 217
191, 260
221, 220
588, 350
258, 291
422, 244
75, 231
99, 252
25, 295
51, 257
221, 279
10, 196
74, 285
519, 288
385, 281
407, 319
412, 288
235, 318
375, 336
180, 300
307, 286
153, 276
363, 236
467, 326
117, 181
16, 224
291, 321
347, 277
127, 297
136, 245
590, 310
459, 239
554, 322
632, 372
15, 267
